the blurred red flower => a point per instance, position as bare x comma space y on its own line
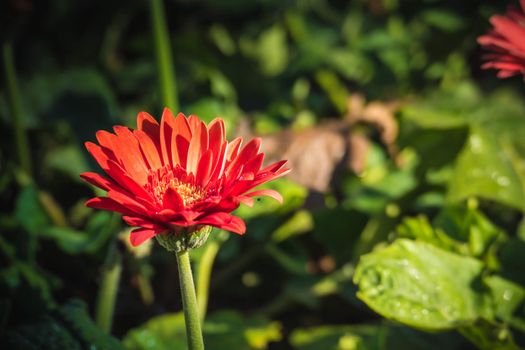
179, 175
507, 43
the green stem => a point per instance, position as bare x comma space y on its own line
204, 274
107, 293
145, 288
189, 303
166, 70
15, 104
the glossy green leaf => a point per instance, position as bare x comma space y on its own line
469, 225
489, 336
421, 285
508, 300
490, 168
419, 228
461, 230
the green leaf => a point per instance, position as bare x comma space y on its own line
508, 300
442, 19
421, 285
270, 50
489, 336
166, 332
99, 228
222, 330
488, 167
334, 88
230, 330
511, 256
470, 226
337, 229
68, 327
222, 39
419, 228
29, 212
445, 109
300, 223
385, 336
74, 315
351, 65
68, 159
22, 282
460, 230
44, 334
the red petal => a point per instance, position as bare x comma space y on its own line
130, 154
172, 200
232, 149
510, 30
219, 162
98, 154
127, 202
194, 122
182, 126
124, 180
182, 150
248, 201
140, 235
149, 125
141, 222
167, 125
217, 135
224, 221
198, 145
149, 149
181, 129
248, 152
204, 169
270, 193
105, 203
274, 167
98, 180
254, 164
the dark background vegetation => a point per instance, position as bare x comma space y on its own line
397, 139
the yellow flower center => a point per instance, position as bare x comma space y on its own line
160, 180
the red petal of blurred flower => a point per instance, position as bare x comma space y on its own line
178, 173
506, 41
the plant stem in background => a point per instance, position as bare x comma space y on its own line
145, 288
165, 67
204, 273
15, 105
189, 302
107, 293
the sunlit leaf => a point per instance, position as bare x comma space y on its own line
488, 167
421, 285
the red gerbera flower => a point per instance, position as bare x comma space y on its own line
178, 176
507, 42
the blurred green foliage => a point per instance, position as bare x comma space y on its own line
421, 250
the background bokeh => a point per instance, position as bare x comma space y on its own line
402, 226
